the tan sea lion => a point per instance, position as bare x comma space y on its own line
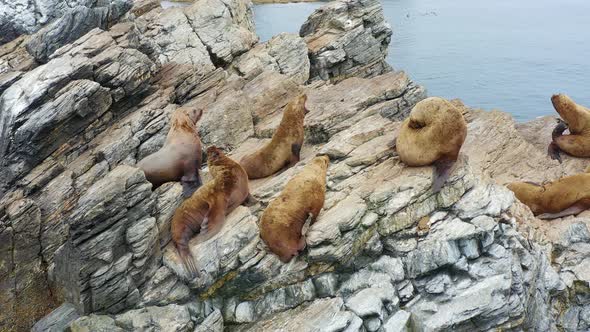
567, 196
432, 134
577, 120
283, 220
285, 145
180, 157
204, 212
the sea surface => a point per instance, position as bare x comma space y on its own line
502, 54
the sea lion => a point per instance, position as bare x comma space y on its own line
577, 120
285, 145
204, 212
432, 134
180, 157
283, 220
567, 196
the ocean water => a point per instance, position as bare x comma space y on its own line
502, 54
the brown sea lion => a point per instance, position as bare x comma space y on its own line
285, 145
282, 222
577, 120
204, 212
567, 196
180, 157
432, 134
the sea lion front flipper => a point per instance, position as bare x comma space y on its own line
553, 152
442, 171
295, 154
250, 201
191, 181
572, 210
559, 129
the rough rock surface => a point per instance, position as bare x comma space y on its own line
85, 241
19, 17
347, 38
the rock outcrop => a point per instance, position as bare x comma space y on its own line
85, 241
347, 38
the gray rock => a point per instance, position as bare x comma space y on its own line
23, 17
213, 323
74, 24
370, 301
284, 53
577, 232
96, 323
399, 322
169, 318
319, 315
326, 285
57, 320
347, 38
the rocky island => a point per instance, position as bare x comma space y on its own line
87, 90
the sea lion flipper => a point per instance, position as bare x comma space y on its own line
393, 144
553, 152
572, 210
188, 261
188, 188
442, 171
191, 180
250, 201
559, 129
295, 154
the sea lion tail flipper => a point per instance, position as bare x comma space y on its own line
295, 154
442, 171
553, 152
188, 261
572, 210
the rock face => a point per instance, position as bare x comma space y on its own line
85, 241
347, 38
26, 17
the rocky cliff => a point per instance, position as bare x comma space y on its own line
85, 241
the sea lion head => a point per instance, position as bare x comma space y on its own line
298, 104
562, 104
214, 154
186, 118
426, 111
528, 193
322, 160
286, 247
